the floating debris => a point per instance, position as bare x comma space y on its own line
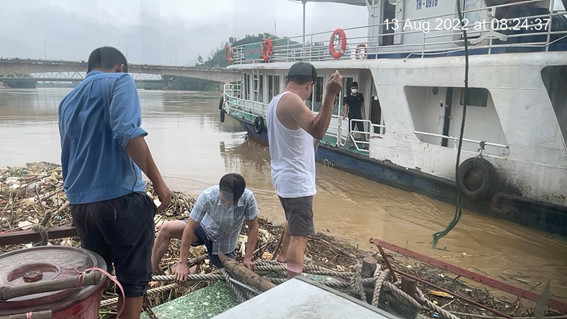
32, 197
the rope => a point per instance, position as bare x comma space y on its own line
191, 277
356, 282
459, 203
237, 291
379, 278
401, 298
112, 301
311, 269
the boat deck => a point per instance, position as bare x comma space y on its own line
303, 298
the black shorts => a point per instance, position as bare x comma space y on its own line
299, 215
201, 238
359, 125
121, 231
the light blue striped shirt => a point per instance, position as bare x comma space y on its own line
222, 224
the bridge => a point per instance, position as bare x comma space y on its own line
27, 66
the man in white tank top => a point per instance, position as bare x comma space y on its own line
291, 129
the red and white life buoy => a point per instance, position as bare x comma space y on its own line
229, 54
361, 51
267, 49
339, 35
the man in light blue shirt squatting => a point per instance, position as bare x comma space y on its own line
103, 153
215, 221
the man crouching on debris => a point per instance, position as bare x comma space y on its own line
215, 221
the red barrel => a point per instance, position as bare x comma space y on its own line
44, 266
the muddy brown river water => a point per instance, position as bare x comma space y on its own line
193, 150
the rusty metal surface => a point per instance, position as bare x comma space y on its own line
28, 236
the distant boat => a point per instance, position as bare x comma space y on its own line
410, 63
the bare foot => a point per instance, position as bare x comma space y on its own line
280, 259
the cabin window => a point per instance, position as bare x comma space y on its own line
477, 97
259, 88
273, 86
246, 88
555, 81
316, 100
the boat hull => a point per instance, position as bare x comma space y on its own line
531, 213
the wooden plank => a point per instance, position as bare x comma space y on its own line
28, 236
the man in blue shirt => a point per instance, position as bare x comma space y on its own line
103, 153
215, 221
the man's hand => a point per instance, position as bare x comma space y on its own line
181, 272
248, 263
335, 84
164, 195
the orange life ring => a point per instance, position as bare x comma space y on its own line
229, 54
341, 34
267, 49
361, 51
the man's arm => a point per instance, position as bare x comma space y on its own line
139, 152
253, 227
318, 125
182, 269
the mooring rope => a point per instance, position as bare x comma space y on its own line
190, 277
271, 265
380, 281
401, 298
356, 282
237, 292
112, 301
379, 277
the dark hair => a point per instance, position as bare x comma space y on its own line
106, 58
233, 183
301, 73
354, 84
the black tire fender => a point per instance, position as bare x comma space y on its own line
221, 102
477, 178
259, 125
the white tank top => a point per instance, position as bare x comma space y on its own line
292, 156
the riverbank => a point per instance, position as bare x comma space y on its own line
32, 196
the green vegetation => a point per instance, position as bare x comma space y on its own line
216, 60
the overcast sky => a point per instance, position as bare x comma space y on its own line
166, 32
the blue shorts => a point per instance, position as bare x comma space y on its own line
120, 230
201, 238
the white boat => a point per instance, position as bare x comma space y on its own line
414, 63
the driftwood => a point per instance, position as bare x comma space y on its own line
245, 274
9, 292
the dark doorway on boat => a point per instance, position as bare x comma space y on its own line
555, 81
388, 14
376, 112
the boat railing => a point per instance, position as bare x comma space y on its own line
485, 147
510, 27
244, 107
